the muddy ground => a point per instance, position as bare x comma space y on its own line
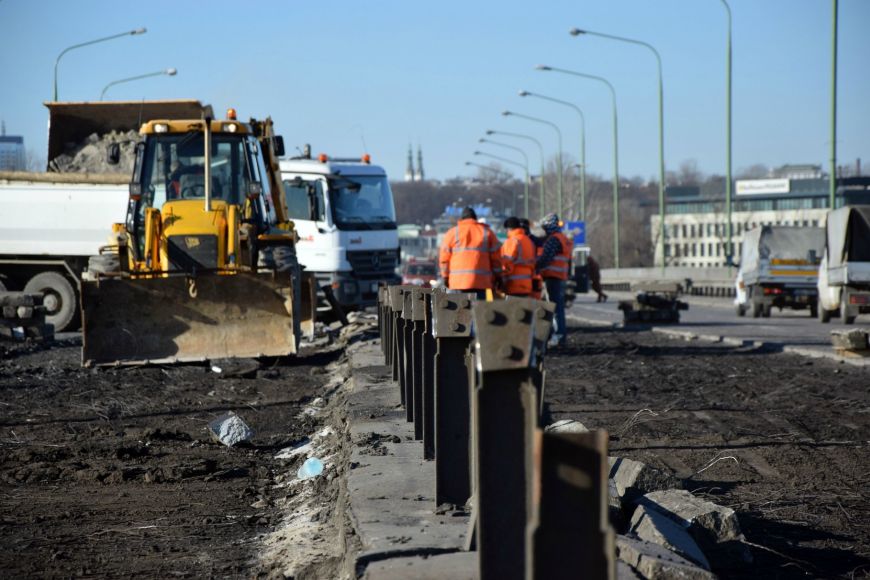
791, 433
112, 473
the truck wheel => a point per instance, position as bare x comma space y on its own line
814, 310
59, 298
765, 310
757, 307
844, 309
824, 315
741, 310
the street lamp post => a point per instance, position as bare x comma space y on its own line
509, 162
543, 189
558, 157
615, 151
729, 251
577, 32
69, 48
832, 187
168, 72
526, 158
582, 144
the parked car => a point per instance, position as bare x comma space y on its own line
420, 273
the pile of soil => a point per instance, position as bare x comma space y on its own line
790, 435
111, 472
89, 156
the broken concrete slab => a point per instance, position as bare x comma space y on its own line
852, 339
230, 429
714, 527
634, 479
567, 426
651, 560
655, 527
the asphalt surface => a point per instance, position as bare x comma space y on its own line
718, 317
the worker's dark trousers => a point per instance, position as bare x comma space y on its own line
556, 292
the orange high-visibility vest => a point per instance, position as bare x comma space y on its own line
558, 268
469, 256
518, 263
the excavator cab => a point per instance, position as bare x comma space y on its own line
205, 266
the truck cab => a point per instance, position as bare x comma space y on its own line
344, 214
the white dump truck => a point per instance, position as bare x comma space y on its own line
844, 274
779, 268
50, 223
344, 214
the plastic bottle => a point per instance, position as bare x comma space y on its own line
311, 468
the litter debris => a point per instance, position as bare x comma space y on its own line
216, 369
230, 368
230, 429
567, 426
311, 468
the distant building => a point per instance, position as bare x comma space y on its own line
412, 174
695, 224
12, 156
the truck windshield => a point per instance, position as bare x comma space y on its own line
174, 168
362, 203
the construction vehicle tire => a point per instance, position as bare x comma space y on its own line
844, 309
104, 264
59, 298
814, 310
757, 307
765, 310
741, 310
824, 315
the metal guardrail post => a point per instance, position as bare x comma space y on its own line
417, 298
451, 330
568, 532
406, 364
504, 416
382, 331
428, 374
396, 304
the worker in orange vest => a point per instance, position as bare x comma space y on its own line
517, 260
537, 281
553, 265
469, 257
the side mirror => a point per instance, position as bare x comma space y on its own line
278, 140
113, 154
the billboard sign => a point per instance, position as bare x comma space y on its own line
762, 186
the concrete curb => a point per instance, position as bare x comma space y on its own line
390, 488
789, 349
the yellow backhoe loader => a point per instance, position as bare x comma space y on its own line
205, 265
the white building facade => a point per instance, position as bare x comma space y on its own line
695, 227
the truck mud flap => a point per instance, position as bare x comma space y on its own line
182, 319
308, 305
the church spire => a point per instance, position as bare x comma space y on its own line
421, 176
409, 169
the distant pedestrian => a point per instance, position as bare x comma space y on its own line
469, 256
553, 265
595, 278
518, 255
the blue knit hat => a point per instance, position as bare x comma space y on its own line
550, 223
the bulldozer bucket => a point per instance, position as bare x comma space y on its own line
178, 318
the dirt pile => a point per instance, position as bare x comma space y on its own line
89, 156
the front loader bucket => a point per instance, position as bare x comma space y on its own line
166, 320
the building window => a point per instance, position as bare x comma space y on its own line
694, 250
702, 249
677, 250
684, 231
692, 230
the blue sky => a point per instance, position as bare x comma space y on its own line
440, 73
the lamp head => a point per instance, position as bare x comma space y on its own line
171, 72
469, 163
139, 31
576, 32
506, 113
490, 132
481, 140
524, 93
542, 67
478, 153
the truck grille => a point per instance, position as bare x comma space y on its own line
189, 253
373, 264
